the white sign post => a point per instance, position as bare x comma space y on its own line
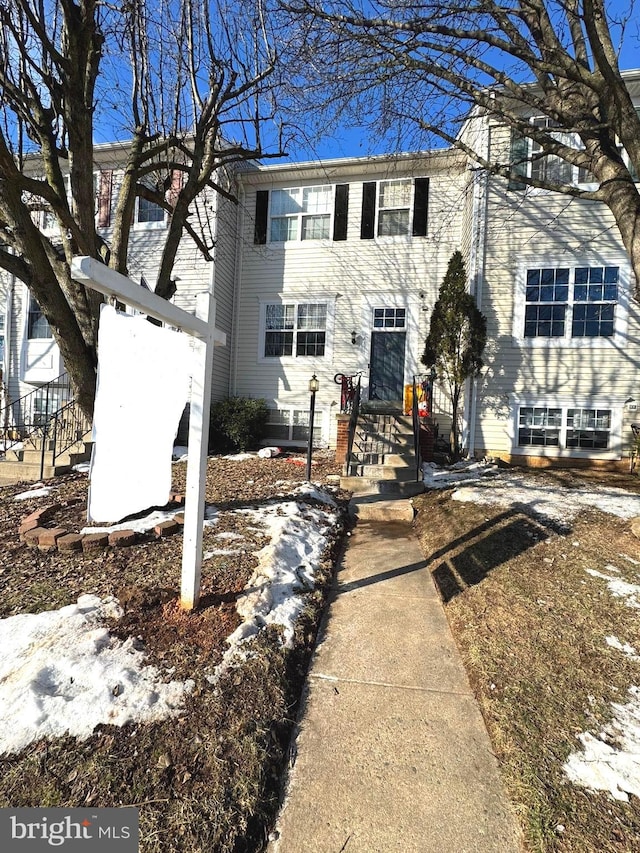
97, 276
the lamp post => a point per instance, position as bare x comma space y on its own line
314, 385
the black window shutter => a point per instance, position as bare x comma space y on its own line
341, 212
262, 207
518, 160
367, 223
420, 207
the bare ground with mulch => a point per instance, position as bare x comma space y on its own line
531, 625
209, 779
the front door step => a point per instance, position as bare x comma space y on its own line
376, 507
364, 485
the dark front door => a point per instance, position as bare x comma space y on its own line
386, 368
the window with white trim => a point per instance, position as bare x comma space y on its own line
37, 324
394, 207
295, 329
389, 318
149, 213
529, 160
550, 167
580, 428
301, 213
288, 425
571, 302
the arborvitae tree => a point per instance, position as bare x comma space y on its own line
456, 339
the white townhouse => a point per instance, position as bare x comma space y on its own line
333, 267
339, 265
561, 378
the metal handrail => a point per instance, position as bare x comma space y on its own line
422, 407
416, 429
56, 430
348, 384
70, 425
353, 421
18, 420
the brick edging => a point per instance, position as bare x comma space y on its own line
33, 530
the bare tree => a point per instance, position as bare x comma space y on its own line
187, 85
547, 69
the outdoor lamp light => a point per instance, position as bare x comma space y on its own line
354, 337
314, 385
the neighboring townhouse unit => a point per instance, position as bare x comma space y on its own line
30, 359
560, 382
339, 266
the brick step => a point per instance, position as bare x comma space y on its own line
30, 471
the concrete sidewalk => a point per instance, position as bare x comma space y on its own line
391, 753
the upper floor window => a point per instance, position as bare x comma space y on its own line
394, 207
37, 324
292, 329
148, 212
529, 160
570, 303
303, 213
299, 214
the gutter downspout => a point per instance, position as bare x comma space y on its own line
237, 284
477, 264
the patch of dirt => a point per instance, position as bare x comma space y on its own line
209, 779
531, 625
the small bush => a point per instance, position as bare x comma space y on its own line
237, 424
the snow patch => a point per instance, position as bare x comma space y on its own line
513, 489
274, 595
42, 492
610, 761
63, 673
619, 588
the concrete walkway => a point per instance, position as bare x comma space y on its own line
391, 754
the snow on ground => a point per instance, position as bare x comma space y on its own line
149, 521
512, 488
625, 648
467, 471
61, 672
610, 760
299, 534
39, 491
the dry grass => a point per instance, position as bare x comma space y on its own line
531, 626
209, 780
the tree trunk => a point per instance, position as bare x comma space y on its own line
454, 435
623, 199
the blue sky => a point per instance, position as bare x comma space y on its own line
349, 141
